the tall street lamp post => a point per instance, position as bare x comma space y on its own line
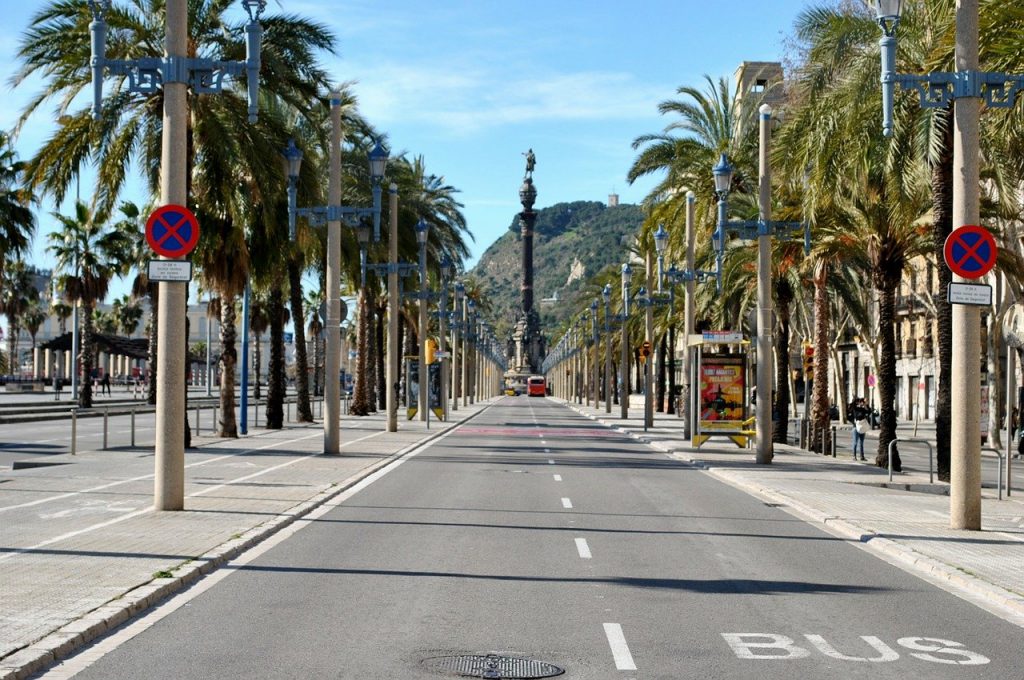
422, 232
762, 229
606, 294
627, 277
175, 73
965, 87
596, 345
460, 294
691, 277
332, 214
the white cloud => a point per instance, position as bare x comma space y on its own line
464, 99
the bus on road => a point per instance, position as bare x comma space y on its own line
536, 386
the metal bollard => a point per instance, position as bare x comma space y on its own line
133, 428
833, 441
256, 416
74, 431
197, 420
215, 418
106, 417
824, 450
288, 411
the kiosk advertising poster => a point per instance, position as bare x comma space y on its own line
723, 407
412, 388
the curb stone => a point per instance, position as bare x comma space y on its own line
71, 637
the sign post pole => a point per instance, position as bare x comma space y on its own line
169, 475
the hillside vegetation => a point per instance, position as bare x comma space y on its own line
572, 242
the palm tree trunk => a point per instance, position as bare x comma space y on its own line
820, 417
382, 388
257, 361
86, 354
371, 353
672, 369
275, 372
360, 397
887, 376
942, 227
303, 412
784, 297
228, 359
154, 315
659, 405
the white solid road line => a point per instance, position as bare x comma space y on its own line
567, 504
583, 549
550, 462
620, 650
558, 478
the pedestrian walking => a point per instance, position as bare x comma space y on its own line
105, 384
859, 414
56, 387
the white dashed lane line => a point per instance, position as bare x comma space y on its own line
558, 478
583, 549
567, 504
620, 650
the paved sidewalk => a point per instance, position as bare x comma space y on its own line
855, 500
81, 550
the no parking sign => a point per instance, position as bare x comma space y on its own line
172, 231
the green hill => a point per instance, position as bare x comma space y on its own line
572, 242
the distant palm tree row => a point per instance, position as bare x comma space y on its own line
875, 205
236, 188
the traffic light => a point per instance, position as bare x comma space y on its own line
431, 348
808, 361
645, 350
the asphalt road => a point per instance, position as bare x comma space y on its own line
533, 532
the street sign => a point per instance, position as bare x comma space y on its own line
969, 294
170, 270
172, 231
970, 252
442, 355
722, 337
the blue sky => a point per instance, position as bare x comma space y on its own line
473, 85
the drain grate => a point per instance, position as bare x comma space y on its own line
493, 666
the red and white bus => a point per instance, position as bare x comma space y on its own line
536, 386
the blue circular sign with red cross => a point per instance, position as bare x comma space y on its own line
970, 251
172, 231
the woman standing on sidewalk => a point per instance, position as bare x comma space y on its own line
859, 414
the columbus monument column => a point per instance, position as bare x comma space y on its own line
526, 349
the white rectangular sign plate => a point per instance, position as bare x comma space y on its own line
969, 294
170, 270
722, 337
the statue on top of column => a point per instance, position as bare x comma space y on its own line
531, 162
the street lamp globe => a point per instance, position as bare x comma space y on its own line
607, 293
293, 155
642, 295
460, 291
716, 238
422, 231
723, 176
593, 306
378, 162
627, 273
660, 239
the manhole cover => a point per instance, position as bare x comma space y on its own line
493, 666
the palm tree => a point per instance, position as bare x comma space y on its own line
17, 294
315, 327
32, 319
88, 256
233, 165
17, 223
128, 313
